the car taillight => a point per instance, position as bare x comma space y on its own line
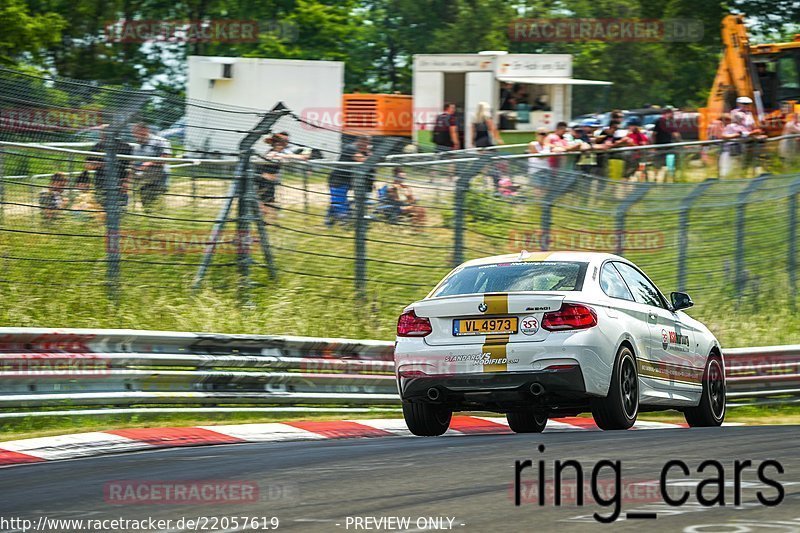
411, 325
570, 316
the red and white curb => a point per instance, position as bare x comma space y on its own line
43, 449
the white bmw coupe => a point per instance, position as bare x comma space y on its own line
547, 334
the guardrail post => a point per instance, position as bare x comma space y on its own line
741, 206
560, 184
360, 211
622, 212
462, 187
791, 260
683, 229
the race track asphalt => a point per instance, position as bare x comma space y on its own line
327, 485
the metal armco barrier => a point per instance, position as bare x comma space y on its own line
118, 368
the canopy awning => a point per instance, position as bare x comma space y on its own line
553, 81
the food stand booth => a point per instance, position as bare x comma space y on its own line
524, 91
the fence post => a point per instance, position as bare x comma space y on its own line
306, 169
557, 188
243, 224
129, 104
462, 187
245, 146
261, 226
360, 210
622, 211
683, 229
791, 263
112, 197
741, 206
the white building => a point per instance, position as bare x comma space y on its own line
309, 88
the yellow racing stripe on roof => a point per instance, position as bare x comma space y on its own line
537, 256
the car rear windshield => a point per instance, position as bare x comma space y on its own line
511, 277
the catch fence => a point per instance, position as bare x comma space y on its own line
221, 215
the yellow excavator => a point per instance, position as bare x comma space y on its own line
767, 73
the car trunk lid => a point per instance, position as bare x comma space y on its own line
527, 308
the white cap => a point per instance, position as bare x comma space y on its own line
744, 100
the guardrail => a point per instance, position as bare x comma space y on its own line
121, 368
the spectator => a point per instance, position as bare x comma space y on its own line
744, 107
84, 206
484, 130
735, 131
559, 142
151, 176
507, 188
790, 148
269, 172
538, 167
506, 93
484, 135
587, 160
636, 137
743, 115
714, 133
402, 201
445, 132
665, 132
53, 199
102, 180
715, 129
341, 179
540, 104
605, 140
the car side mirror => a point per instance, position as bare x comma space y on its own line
680, 300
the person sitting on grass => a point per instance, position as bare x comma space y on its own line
401, 198
84, 206
53, 199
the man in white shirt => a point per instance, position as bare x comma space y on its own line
744, 107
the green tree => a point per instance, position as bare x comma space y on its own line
24, 32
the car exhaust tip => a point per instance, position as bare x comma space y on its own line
433, 394
537, 389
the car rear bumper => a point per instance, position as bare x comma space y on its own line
493, 390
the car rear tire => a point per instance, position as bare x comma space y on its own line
527, 421
711, 411
620, 407
425, 419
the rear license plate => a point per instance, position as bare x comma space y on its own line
485, 326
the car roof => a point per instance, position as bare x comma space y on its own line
584, 257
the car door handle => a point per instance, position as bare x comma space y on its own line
653, 317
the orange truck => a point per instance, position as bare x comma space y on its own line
389, 115
767, 73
